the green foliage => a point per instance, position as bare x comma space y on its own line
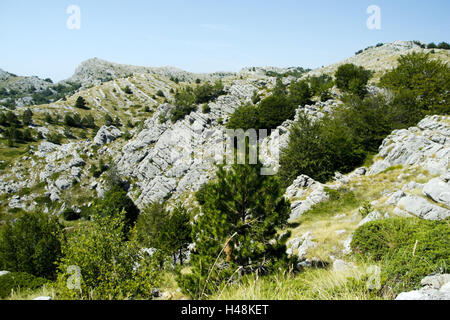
245, 117
208, 92
444, 45
274, 110
9, 119
15, 281
128, 90
175, 234
296, 72
300, 93
27, 117
352, 79
342, 141
321, 86
160, 93
187, 99
81, 103
237, 230
99, 169
365, 209
409, 249
184, 105
69, 214
149, 224
31, 244
108, 120
426, 79
13, 135
110, 266
114, 202
206, 108
318, 149
73, 120
54, 137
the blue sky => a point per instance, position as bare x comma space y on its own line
205, 35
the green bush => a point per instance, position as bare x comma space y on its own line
353, 79
149, 224
206, 108
425, 79
175, 234
244, 117
114, 202
31, 244
237, 230
81, 103
318, 149
15, 281
110, 266
69, 214
408, 248
27, 117
300, 93
274, 110
128, 90
208, 92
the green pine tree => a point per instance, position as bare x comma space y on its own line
237, 230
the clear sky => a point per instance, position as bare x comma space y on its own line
205, 35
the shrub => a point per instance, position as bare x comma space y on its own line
237, 230
426, 79
54, 137
128, 90
274, 110
318, 149
444, 45
149, 224
409, 249
110, 266
81, 103
320, 85
244, 117
31, 244
184, 105
175, 234
27, 117
206, 108
353, 79
114, 202
69, 214
160, 93
15, 281
73, 120
208, 92
300, 93
108, 120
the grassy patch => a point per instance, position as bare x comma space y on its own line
408, 249
313, 284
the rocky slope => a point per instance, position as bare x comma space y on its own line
171, 160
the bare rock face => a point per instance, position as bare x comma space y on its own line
436, 287
170, 158
106, 135
439, 190
422, 208
427, 146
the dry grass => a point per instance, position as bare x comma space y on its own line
313, 284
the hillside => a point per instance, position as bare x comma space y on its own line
126, 129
